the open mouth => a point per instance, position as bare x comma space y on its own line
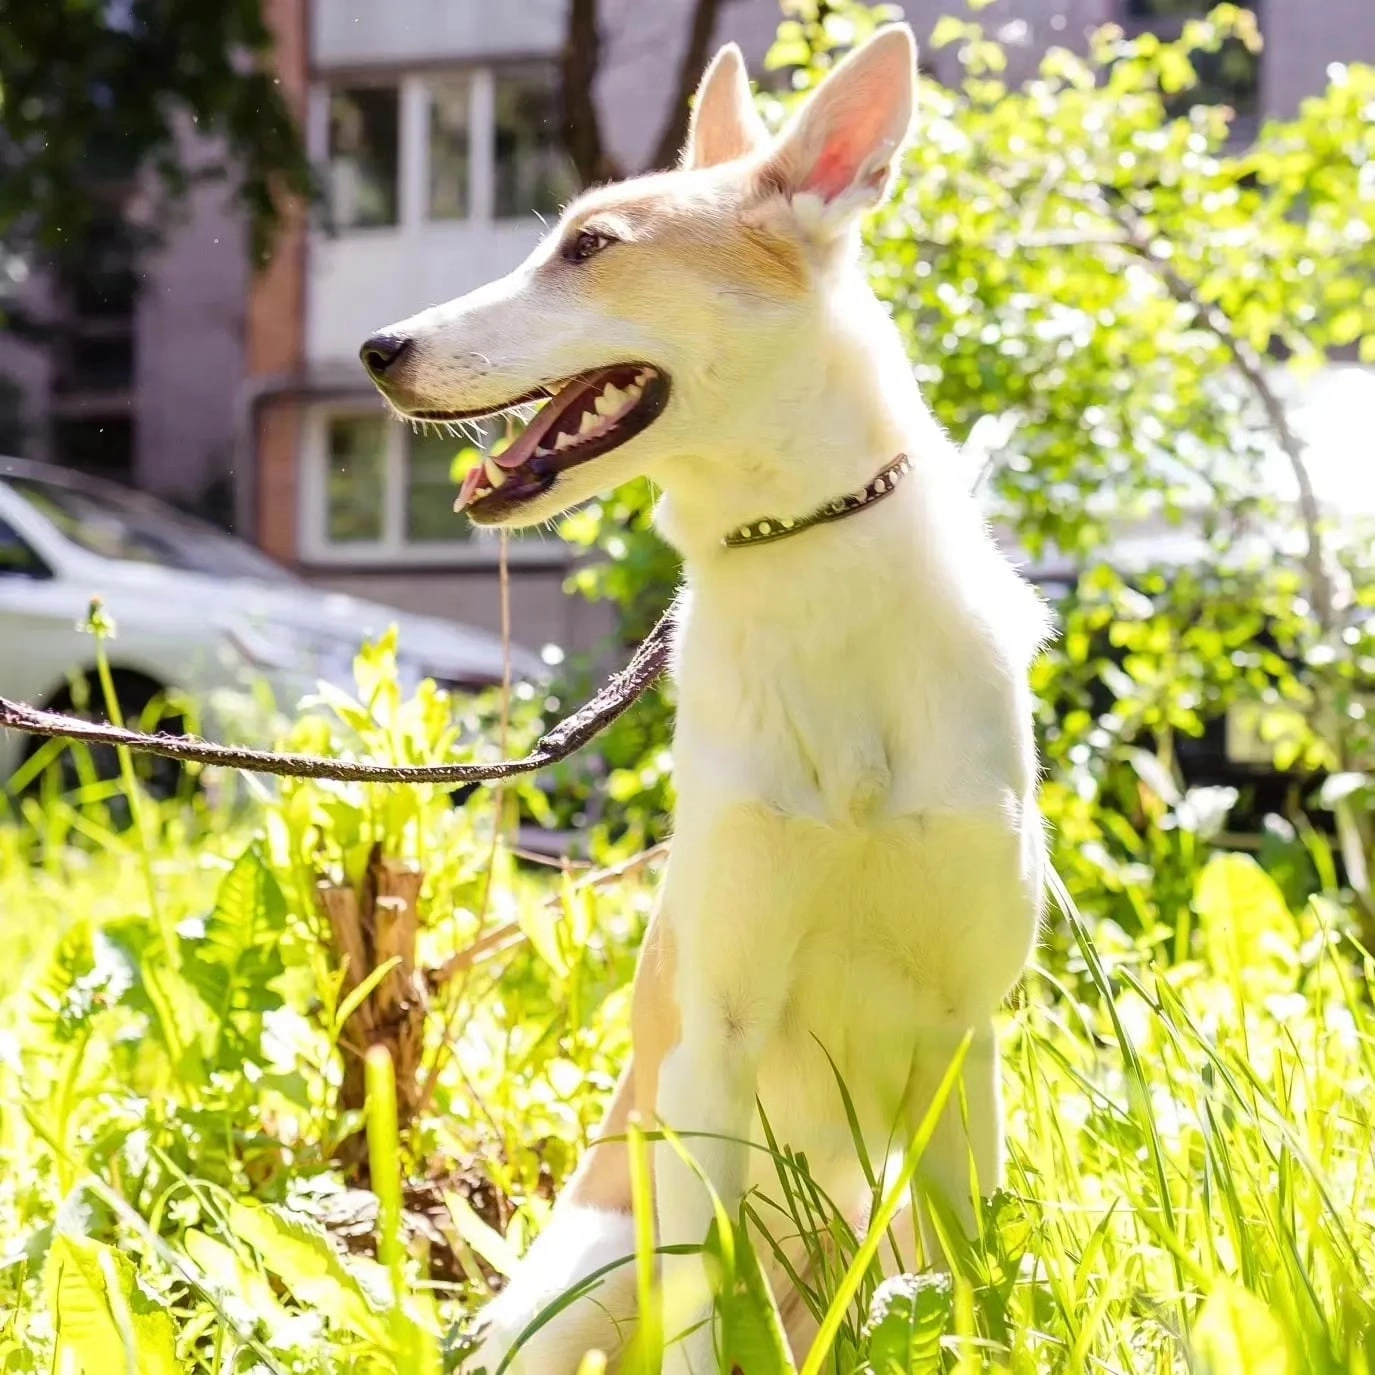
584, 419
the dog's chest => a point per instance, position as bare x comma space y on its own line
850, 820
845, 721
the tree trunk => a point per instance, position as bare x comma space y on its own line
690, 71
582, 129
582, 56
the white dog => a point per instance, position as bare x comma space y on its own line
857, 866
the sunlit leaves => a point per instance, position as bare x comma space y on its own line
100, 1315
93, 93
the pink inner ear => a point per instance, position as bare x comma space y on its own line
846, 149
833, 172
846, 138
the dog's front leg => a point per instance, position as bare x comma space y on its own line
706, 1096
965, 1157
592, 1224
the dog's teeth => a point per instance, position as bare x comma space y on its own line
607, 405
564, 441
641, 379
588, 422
633, 392
494, 474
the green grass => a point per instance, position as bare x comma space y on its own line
1191, 1187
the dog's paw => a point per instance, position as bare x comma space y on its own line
487, 1357
576, 1244
499, 1332
535, 1357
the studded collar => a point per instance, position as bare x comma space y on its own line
771, 528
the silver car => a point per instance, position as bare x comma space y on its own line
197, 611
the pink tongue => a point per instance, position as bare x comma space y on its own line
534, 433
530, 438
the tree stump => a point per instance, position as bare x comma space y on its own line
370, 926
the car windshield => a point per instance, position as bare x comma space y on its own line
134, 529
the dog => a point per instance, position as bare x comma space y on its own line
855, 881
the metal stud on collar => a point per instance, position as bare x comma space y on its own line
771, 528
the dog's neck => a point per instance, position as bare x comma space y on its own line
826, 421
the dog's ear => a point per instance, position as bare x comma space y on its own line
724, 124
836, 160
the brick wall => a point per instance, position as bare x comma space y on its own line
275, 342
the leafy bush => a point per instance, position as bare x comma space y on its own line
1097, 293
1190, 1109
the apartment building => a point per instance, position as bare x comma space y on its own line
434, 124
437, 129
128, 363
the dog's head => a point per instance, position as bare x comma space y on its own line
656, 304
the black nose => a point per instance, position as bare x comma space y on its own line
382, 351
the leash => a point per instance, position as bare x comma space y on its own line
569, 735
612, 700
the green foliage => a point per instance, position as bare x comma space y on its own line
233, 960
752, 1335
100, 1316
907, 1318
200, 1080
298, 1251
91, 93
1236, 1331
1189, 1118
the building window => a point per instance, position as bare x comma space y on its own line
355, 487
14, 429
470, 144
100, 445
364, 156
430, 488
1164, 9
95, 357
450, 147
97, 271
532, 170
373, 491
1229, 76
92, 345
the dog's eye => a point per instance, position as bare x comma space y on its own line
585, 244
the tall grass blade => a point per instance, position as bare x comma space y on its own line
854, 1276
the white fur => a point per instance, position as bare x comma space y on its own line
856, 868
577, 1242
856, 864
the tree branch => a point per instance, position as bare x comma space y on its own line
568, 736
690, 71
1250, 365
1252, 369
582, 130
512, 933
582, 60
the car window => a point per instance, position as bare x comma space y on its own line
134, 529
17, 557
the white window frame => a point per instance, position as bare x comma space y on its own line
413, 138
527, 549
